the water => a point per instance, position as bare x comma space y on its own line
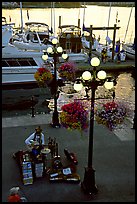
94, 15
124, 91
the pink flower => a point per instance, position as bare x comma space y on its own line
111, 114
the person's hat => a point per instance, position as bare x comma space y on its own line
38, 129
14, 190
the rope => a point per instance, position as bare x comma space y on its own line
109, 16
128, 23
84, 17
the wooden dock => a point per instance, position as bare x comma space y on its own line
126, 66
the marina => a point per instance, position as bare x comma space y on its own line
31, 41
73, 78
70, 38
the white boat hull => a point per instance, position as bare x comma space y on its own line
30, 46
130, 52
17, 78
18, 75
15, 73
76, 57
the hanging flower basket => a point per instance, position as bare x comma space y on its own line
110, 114
43, 76
74, 116
67, 71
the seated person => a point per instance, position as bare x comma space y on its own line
34, 142
14, 195
36, 138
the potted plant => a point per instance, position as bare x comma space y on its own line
110, 114
74, 116
67, 71
43, 76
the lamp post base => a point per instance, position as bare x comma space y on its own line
55, 120
88, 185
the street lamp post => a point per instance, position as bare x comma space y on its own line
55, 52
92, 82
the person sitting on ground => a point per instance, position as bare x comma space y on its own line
34, 144
14, 195
36, 138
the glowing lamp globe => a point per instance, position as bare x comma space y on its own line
49, 50
64, 56
101, 74
59, 49
86, 75
45, 57
108, 84
54, 41
95, 62
78, 86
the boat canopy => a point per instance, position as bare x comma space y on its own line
69, 26
38, 25
35, 24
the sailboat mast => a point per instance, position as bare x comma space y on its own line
84, 16
51, 16
109, 16
21, 17
54, 16
108, 20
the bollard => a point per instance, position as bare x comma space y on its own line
113, 95
32, 107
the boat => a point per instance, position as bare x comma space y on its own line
35, 36
7, 31
129, 48
19, 66
96, 47
86, 43
69, 37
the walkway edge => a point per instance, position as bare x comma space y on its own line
26, 120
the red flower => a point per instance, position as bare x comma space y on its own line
67, 71
74, 116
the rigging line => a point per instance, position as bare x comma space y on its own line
131, 36
21, 17
128, 23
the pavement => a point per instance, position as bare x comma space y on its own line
113, 161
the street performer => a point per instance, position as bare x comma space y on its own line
36, 138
